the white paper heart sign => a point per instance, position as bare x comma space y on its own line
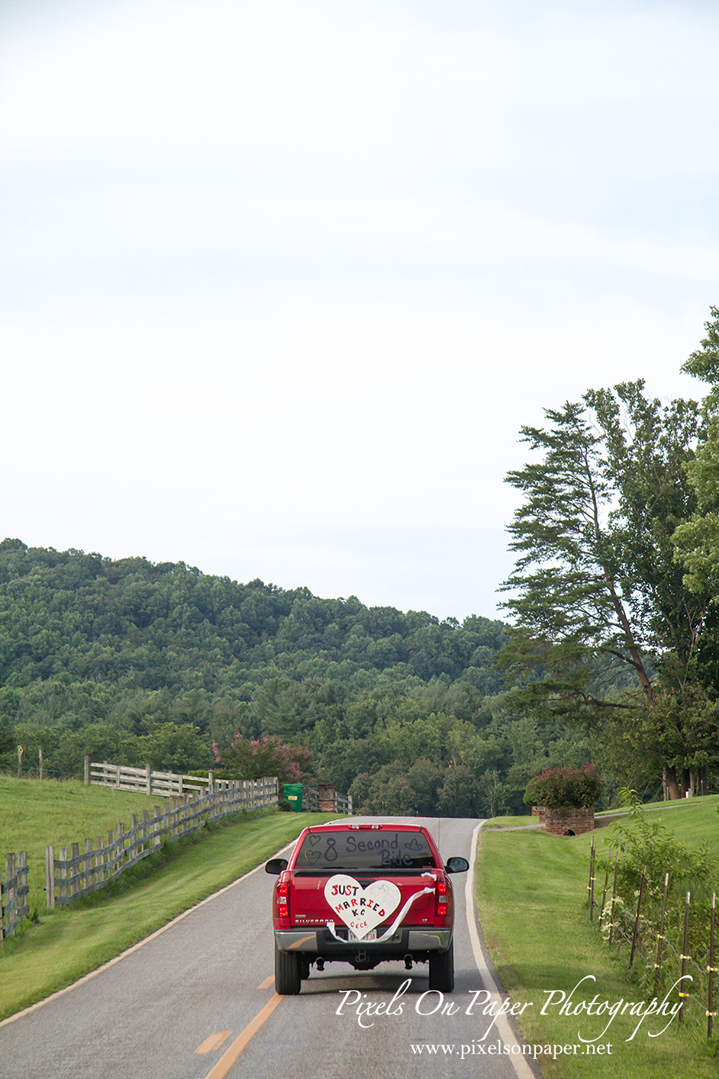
361, 909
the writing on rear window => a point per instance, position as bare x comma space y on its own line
347, 850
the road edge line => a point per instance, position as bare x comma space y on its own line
522, 1068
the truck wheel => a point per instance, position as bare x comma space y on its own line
441, 970
287, 972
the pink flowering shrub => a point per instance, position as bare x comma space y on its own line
565, 788
267, 756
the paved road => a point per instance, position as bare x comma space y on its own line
206, 983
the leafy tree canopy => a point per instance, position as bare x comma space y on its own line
608, 622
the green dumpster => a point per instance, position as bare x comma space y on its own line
293, 794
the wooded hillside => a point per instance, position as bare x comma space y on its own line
133, 661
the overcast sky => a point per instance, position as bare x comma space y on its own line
280, 281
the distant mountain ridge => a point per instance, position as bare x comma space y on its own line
71, 618
131, 661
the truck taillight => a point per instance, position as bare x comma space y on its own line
442, 904
282, 901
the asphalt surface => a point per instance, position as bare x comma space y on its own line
206, 983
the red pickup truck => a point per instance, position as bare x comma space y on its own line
363, 894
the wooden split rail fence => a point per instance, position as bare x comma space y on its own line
145, 781
13, 893
70, 878
325, 799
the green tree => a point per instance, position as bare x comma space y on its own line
601, 608
697, 539
459, 796
386, 791
174, 747
291, 709
264, 757
492, 794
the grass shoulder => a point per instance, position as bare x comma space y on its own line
532, 903
525, 821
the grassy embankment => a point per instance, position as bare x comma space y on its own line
525, 821
532, 902
69, 942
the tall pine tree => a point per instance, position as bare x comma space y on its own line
605, 630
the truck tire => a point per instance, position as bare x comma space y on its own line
287, 972
441, 970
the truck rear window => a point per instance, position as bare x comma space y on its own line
364, 852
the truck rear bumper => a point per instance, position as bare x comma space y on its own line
406, 941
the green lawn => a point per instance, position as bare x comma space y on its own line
34, 815
525, 821
532, 902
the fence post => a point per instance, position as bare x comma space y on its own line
74, 853
10, 879
22, 878
10, 894
39, 753
635, 934
50, 877
157, 820
61, 885
148, 773
614, 899
99, 876
88, 864
604, 893
2, 912
590, 886
684, 957
660, 935
87, 771
711, 968
117, 775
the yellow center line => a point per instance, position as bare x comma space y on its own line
231, 1054
267, 982
213, 1042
